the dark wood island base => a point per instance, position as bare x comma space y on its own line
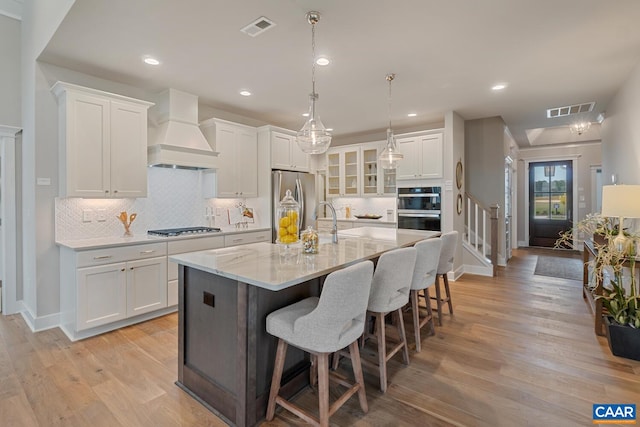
225, 357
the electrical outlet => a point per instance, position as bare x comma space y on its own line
101, 215
87, 215
218, 211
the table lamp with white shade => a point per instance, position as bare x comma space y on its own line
621, 201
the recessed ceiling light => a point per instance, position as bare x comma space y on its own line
499, 86
323, 61
412, 114
151, 61
330, 129
245, 93
305, 114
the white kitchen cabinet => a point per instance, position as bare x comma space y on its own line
102, 295
423, 156
182, 246
103, 143
343, 172
146, 285
375, 180
246, 238
237, 147
104, 289
285, 153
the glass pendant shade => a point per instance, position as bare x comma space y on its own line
390, 156
313, 138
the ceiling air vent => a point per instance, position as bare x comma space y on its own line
587, 107
258, 26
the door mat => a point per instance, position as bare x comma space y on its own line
566, 268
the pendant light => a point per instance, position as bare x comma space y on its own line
313, 138
390, 155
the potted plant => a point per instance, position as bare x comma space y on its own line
623, 308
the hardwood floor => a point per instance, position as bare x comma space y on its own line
520, 350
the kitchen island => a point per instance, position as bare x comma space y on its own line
225, 357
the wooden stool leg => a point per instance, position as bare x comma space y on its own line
278, 366
416, 317
438, 301
403, 336
446, 288
357, 373
323, 388
432, 326
382, 350
313, 372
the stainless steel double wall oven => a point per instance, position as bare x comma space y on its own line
419, 208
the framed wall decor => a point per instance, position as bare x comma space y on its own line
459, 176
459, 204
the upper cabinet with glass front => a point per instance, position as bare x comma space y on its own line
343, 172
375, 180
103, 143
423, 156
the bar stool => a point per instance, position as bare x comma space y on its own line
321, 326
389, 293
424, 276
445, 264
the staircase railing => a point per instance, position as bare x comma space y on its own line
481, 226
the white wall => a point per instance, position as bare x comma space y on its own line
621, 134
454, 140
39, 21
10, 107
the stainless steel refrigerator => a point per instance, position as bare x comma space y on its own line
302, 186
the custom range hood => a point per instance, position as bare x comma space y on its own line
178, 141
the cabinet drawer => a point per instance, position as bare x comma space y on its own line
195, 244
122, 253
246, 238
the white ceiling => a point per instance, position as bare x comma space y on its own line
446, 54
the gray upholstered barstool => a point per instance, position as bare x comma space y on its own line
322, 326
389, 293
424, 276
445, 264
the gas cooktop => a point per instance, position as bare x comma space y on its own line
181, 231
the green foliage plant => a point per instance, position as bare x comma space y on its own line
623, 308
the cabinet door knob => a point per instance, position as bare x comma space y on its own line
115, 191
130, 268
106, 191
122, 269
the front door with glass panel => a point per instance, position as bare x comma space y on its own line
550, 201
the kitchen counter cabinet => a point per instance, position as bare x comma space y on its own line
423, 156
237, 147
105, 289
103, 143
225, 355
285, 153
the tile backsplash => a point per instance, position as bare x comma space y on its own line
174, 200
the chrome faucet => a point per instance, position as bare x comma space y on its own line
334, 229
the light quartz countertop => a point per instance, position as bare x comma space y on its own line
111, 241
276, 267
373, 222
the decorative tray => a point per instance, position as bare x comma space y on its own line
368, 216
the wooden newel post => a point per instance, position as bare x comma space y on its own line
494, 236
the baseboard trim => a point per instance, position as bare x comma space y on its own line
37, 324
455, 274
479, 270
